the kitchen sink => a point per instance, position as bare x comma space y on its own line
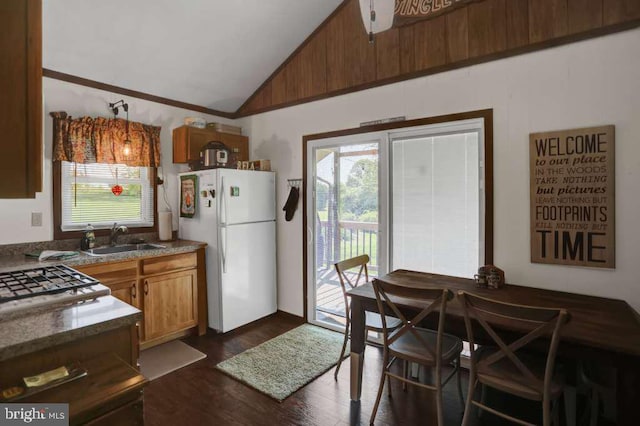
102, 251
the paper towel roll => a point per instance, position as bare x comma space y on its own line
165, 226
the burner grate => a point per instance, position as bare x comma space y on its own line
45, 280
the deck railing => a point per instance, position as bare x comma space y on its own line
349, 239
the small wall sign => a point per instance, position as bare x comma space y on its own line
188, 195
572, 183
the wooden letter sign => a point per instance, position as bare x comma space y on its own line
572, 197
410, 11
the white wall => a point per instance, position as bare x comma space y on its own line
590, 83
77, 101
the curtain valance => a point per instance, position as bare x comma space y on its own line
102, 140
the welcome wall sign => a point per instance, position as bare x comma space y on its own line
573, 197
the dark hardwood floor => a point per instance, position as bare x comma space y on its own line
201, 395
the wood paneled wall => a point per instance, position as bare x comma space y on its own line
337, 58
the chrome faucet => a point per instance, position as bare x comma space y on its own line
115, 231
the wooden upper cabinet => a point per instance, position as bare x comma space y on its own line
21, 144
188, 142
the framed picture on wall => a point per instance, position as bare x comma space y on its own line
188, 195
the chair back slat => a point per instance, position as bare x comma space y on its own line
511, 311
432, 298
535, 323
345, 265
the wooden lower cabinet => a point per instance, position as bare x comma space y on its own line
127, 291
170, 303
110, 394
120, 277
169, 290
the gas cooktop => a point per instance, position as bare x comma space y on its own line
28, 283
42, 287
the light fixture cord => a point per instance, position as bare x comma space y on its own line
127, 124
372, 18
75, 184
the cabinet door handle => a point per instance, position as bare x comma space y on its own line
146, 287
133, 291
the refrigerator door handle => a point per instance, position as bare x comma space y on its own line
223, 247
223, 226
309, 235
223, 203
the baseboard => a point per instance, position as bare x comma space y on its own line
290, 315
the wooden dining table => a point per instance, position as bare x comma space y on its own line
602, 330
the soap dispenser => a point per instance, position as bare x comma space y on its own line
90, 235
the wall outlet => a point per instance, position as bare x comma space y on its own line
36, 218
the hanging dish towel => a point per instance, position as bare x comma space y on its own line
292, 203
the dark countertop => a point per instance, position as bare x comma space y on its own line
34, 331
15, 262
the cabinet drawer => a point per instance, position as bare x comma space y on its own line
110, 394
163, 264
108, 273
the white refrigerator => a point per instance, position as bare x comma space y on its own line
235, 215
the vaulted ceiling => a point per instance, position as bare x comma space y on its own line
218, 55
211, 53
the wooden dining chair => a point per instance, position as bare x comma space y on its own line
373, 322
414, 344
506, 366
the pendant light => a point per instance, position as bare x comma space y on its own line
377, 16
126, 149
127, 142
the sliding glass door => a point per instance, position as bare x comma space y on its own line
343, 218
410, 198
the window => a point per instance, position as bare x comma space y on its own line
86, 196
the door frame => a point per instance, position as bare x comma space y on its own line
486, 114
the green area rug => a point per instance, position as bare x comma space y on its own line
284, 364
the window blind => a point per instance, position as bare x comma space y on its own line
437, 213
87, 196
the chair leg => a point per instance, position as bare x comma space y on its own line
555, 412
382, 377
594, 408
483, 399
546, 412
439, 404
344, 347
570, 405
468, 405
459, 382
405, 374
